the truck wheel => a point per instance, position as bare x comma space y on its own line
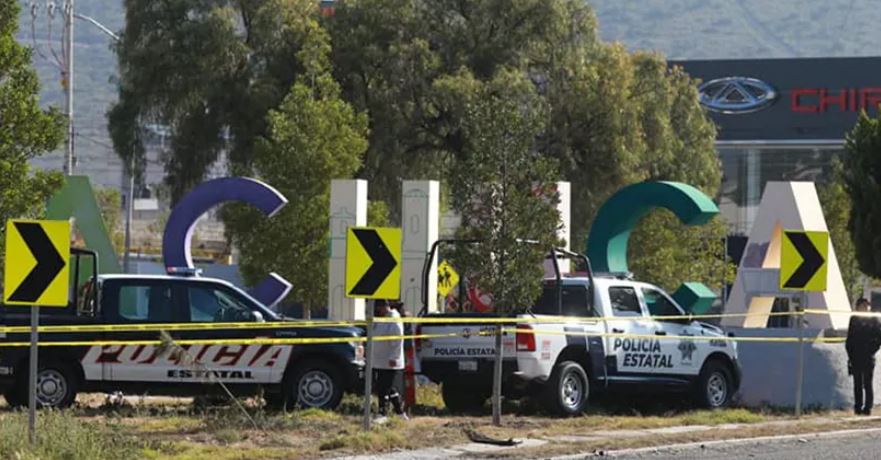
315, 384
714, 385
568, 389
462, 399
56, 387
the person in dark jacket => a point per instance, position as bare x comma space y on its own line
863, 341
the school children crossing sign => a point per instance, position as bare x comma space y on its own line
447, 278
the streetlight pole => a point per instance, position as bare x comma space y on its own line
68, 87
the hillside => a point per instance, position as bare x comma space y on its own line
681, 29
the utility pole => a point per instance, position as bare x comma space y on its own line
63, 61
68, 86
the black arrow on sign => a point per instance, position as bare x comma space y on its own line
811, 262
49, 263
383, 262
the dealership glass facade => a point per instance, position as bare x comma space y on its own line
746, 168
780, 120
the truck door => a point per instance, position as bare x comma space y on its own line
679, 356
139, 301
208, 302
631, 337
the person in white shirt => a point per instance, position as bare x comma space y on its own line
388, 358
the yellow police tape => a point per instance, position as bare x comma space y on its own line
329, 340
683, 337
241, 341
155, 327
329, 323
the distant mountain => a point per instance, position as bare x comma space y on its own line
716, 29
681, 29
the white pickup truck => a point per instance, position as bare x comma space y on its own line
584, 347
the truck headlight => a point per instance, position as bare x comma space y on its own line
359, 350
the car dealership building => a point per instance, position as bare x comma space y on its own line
780, 120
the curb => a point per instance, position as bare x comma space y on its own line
704, 444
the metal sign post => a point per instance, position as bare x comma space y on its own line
804, 268
799, 373
368, 372
32, 377
36, 274
497, 378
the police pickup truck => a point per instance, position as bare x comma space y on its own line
602, 333
309, 375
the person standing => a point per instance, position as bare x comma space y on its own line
388, 358
863, 341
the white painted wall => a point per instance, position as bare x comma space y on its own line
348, 208
420, 220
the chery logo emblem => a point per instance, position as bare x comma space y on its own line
736, 95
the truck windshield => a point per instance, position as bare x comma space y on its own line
574, 301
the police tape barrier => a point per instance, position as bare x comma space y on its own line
155, 327
410, 320
331, 340
708, 338
817, 311
241, 341
328, 323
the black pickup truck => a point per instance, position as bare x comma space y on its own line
307, 375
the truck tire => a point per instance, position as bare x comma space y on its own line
714, 385
461, 398
314, 384
57, 385
567, 390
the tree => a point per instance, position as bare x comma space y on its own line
110, 202
390, 55
861, 175
612, 117
497, 189
837, 210
26, 131
211, 71
313, 137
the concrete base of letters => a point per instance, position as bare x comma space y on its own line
770, 368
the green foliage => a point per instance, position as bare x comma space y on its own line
612, 117
500, 188
377, 214
110, 202
207, 69
667, 253
26, 131
861, 175
314, 137
837, 210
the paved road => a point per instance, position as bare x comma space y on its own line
854, 446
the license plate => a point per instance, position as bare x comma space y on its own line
470, 366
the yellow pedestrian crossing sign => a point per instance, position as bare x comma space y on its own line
803, 261
373, 263
37, 263
447, 278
